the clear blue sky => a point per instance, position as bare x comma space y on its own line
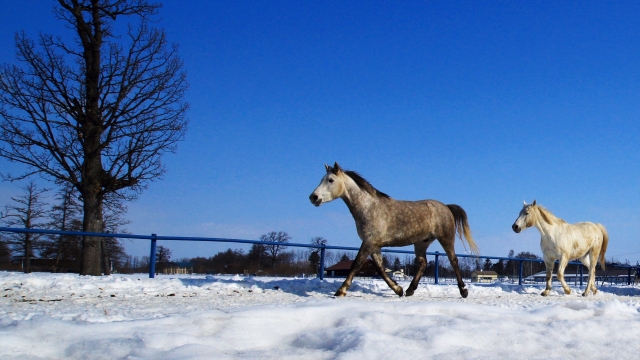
478, 103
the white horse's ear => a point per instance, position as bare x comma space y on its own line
326, 167
524, 202
336, 166
534, 202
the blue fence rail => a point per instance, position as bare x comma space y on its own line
323, 248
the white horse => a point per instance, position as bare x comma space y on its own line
561, 241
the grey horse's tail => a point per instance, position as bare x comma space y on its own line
462, 227
603, 248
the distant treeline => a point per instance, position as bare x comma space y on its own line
55, 253
280, 260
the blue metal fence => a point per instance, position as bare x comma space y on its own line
154, 238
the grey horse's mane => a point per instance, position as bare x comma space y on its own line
548, 217
364, 184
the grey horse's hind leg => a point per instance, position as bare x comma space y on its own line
421, 257
453, 259
362, 256
422, 264
377, 261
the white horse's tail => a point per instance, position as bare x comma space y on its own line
605, 242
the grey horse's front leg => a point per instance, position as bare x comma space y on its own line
362, 256
377, 261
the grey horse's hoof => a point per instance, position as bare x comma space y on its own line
409, 291
464, 292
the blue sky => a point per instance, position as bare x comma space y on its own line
482, 104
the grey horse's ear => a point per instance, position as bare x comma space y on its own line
327, 168
523, 201
534, 202
336, 166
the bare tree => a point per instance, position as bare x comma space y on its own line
314, 255
5, 252
163, 254
98, 112
272, 250
27, 213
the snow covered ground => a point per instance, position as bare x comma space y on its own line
53, 316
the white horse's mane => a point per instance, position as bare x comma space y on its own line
547, 216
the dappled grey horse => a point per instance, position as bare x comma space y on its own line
382, 221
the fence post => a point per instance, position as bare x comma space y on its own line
435, 275
322, 251
520, 272
152, 257
581, 274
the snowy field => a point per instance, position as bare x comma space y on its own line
54, 316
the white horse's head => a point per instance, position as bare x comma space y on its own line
331, 186
526, 218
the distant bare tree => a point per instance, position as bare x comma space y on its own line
5, 252
27, 212
113, 223
98, 112
314, 254
272, 250
257, 255
163, 254
65, 216
396, 264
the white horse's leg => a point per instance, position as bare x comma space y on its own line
591, 285
549, 265
362, 256
586, 262
561, 266
377, 261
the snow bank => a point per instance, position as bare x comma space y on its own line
52, 316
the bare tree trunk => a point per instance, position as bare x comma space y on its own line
91, 245
58, 255
105, 258
27, 253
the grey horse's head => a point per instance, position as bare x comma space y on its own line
331, 186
